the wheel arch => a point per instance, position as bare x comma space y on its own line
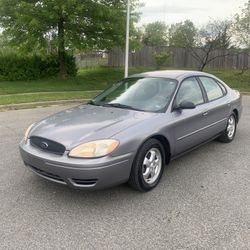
236, 112
165, 144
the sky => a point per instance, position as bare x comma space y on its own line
198, 11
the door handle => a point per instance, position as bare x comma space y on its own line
205, 113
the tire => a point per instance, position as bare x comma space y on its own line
228, 134
148, 166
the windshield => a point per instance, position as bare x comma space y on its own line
145, 94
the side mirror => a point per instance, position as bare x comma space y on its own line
186, 105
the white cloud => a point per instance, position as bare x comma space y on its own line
199, 11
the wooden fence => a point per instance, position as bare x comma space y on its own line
92, 59
181, 58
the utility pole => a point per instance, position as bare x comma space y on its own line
127, 40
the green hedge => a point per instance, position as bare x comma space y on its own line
17, 67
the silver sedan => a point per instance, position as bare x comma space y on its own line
133, 129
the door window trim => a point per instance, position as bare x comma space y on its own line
201, 88
217, 82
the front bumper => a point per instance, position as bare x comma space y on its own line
77, 173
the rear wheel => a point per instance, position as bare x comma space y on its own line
148, 166
229, 133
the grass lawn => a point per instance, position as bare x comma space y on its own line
89, 80
233, 78
49, 96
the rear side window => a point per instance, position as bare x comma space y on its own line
223, 88
212, 88
189, 91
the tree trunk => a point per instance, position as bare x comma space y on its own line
204, 61
202, 66
61, 49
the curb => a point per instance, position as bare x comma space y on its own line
40, 104
52, 92
245, 93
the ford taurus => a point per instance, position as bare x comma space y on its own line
130, 131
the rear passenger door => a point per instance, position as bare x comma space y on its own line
218, 106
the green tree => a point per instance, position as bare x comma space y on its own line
182, 35
66, 24
5, 49
215, 34
241, 27
155, 34
135, 38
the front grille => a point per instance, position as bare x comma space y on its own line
47, 145
47, 174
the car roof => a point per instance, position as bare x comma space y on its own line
172, 74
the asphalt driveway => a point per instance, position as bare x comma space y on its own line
202, 202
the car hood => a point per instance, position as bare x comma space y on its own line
84, 123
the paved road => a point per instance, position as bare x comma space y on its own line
202, 202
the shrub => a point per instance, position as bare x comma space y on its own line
18, 67
162, 59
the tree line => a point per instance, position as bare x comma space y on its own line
62, 27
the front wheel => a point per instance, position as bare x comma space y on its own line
148, 166
229, 133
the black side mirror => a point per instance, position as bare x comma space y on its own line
186, 105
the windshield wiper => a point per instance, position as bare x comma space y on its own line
119, 105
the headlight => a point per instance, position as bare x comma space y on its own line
94, 149
26, 135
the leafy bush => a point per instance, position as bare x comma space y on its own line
71, 65
18, 67
162, 59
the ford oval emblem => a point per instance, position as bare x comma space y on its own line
44, 145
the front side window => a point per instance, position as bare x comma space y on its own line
189, 91
212, 88
145, 94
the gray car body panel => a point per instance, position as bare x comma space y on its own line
86, 123
108, 171
183, 129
